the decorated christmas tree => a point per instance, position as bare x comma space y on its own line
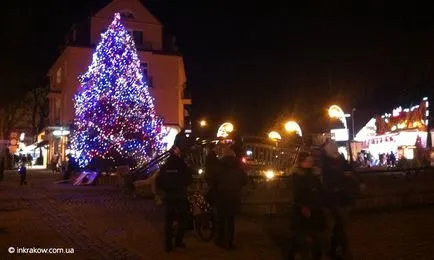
114, 111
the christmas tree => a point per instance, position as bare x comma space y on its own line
114, 111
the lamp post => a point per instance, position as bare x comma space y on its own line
275, 136
292, 126
336, 112
225, 129
352, 123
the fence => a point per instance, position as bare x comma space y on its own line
258, 155
381, 192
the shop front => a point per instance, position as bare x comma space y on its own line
401, 134
58, 138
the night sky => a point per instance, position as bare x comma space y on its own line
258, 63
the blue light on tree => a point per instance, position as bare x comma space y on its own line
114, 111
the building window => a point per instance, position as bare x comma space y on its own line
145, 70
137, 36
59, 76
127, 14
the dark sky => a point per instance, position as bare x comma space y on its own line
259, 62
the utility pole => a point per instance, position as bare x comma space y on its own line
352, 123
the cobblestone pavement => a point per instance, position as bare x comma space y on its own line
398, 235
100, 222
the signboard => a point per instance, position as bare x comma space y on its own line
403, 119
339, 134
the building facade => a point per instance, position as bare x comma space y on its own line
162, 66
403, 133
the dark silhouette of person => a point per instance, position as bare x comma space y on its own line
237, 145
339, 197
173, 180
229, 182
211, 173
308, 218
23, 173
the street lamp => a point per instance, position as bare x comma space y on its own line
203, 123
225, 129
337, 112
292, 126
275, 136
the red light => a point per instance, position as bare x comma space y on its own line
244, 160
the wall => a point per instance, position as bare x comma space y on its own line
167, 72
143, 21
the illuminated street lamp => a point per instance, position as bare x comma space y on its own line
203, 123
225, 129
337, 112
275, 136
292, 126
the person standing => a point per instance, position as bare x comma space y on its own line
229, 183
308, 218
211, 173
340, 196
23, 173
173, 180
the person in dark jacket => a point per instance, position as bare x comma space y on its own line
23, 174
340, 195
308, 219
211, 164
237, 145
174, 178
229, 183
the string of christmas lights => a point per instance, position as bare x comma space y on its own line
114, 111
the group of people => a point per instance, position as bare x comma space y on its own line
225, 178
323, 190
366, 159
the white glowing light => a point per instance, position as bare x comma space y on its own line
274, 136
61, 132
225, 129
269, 174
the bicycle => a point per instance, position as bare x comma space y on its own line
201, 218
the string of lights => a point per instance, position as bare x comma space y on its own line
114, 111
